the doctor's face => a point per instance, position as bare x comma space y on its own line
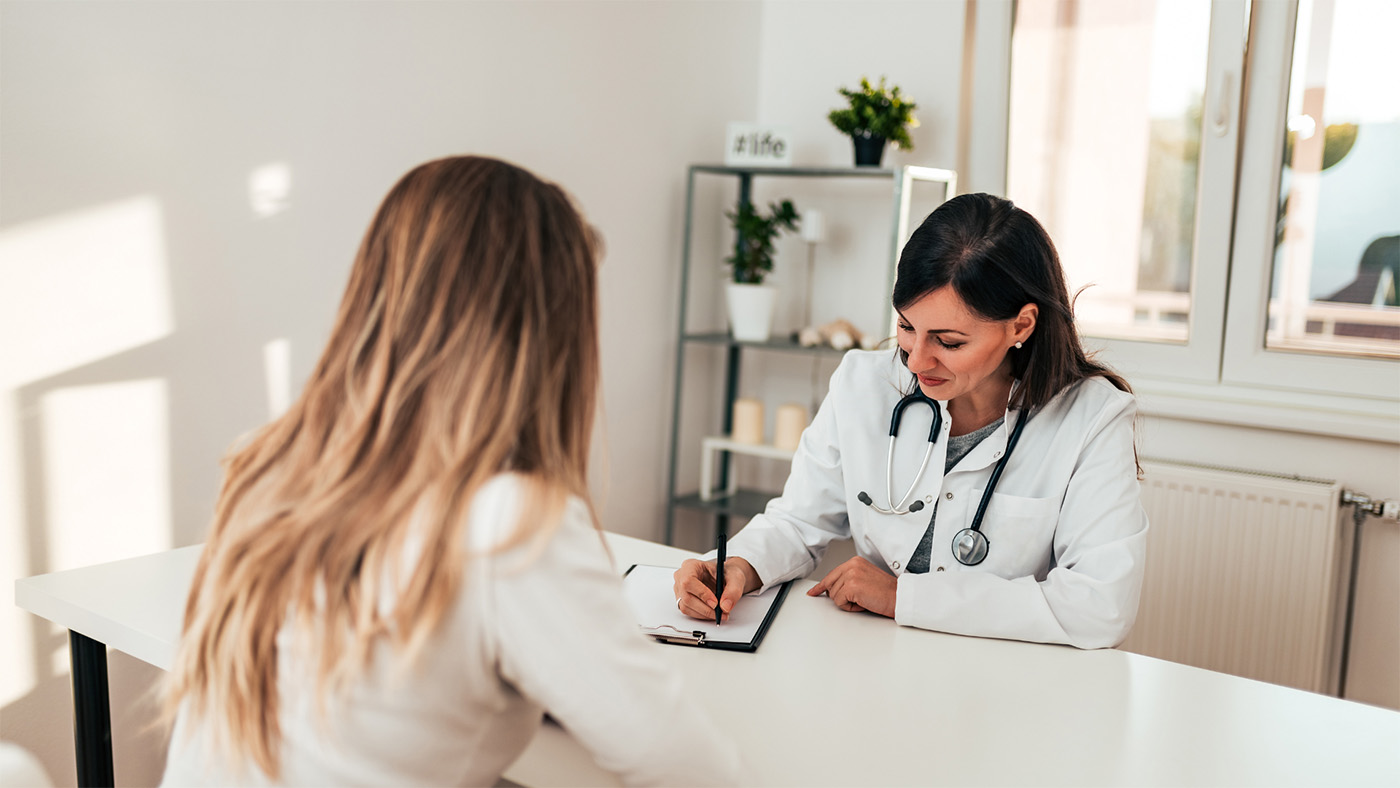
953, 351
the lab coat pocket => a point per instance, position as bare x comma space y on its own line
869, 549
1020, 534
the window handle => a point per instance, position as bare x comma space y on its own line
1220, 118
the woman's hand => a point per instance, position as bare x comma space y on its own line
695, 586
857, 585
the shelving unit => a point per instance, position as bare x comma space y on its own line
727, 448
727, 500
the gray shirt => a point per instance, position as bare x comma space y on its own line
958, 447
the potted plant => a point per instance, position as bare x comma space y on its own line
875, 115
751, 301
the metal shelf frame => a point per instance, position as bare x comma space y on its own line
743, 502
781, 345
746, 503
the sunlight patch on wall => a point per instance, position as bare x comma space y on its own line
80, 287
106, 472
16, 668
270, 189
277, 369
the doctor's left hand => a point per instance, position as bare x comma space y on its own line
859, 585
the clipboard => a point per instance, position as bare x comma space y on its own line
649, 592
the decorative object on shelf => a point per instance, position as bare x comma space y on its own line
750, 311
840, 334
748, 421
787, 432
750, 301
875, 115
754, 145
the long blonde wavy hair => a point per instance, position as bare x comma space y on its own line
465, 346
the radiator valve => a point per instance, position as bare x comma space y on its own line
1380, 507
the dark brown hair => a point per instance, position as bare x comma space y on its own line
998, 259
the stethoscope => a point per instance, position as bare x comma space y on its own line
970, 544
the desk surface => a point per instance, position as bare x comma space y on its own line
835, 698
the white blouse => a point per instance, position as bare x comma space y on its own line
539, 628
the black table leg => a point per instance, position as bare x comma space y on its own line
92, 711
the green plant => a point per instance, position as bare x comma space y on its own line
1337, 142
875, 111
753, 250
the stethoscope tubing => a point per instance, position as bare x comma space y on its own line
970, 545
917, 397
1011, 442
889, 481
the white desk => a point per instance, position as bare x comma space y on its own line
834, 698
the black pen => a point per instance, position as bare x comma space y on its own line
719, 572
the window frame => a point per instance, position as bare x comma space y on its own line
1224, 373
1198, 358
1247, 360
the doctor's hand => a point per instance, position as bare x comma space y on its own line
858, 585
695, 586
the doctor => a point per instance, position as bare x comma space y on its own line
995, 408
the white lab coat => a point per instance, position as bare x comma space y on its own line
1066, 526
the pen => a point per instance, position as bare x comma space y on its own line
719, 570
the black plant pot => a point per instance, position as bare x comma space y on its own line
869, 150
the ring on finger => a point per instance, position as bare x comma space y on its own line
678, 603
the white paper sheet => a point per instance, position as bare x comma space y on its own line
649, 591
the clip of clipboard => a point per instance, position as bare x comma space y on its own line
694, 637
648, 590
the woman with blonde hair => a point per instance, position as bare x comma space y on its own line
404, 571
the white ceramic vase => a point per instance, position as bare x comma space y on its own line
751, 311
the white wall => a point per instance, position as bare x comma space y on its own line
132, 361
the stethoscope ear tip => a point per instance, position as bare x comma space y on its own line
865, 499
915, 506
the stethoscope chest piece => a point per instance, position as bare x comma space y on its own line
970, 547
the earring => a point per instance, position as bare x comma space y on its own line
1018, 345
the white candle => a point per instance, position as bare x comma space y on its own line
748, 420
792, 419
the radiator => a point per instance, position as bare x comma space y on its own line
1245, 574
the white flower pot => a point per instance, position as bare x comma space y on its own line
751, 311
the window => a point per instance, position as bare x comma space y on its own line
1105, 149
1221, 178
1336, 266
1122, 140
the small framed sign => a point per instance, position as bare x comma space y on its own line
755, 145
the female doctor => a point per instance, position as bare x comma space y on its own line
986, 469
